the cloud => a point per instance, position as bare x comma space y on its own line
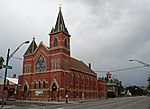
110, 33
105, 33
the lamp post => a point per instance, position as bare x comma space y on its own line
66, 90
147, 65
67, 87
7, 60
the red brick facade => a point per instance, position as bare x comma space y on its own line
50, 73
102, 90
10, 88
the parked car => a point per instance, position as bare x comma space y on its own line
148, 94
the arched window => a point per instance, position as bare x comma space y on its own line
65, 43
39, 84
90, 82
52, 62
40, 64
28, 68
58, 65
44, 84
55, 64
25, 69
87, 80
77, 92
34, 84
70, 77
65, 64
94, 82
77, 78
55, 42
82, 79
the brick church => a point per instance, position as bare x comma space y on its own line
50, 73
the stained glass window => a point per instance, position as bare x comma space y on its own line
40, 64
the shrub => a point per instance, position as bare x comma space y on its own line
111, 95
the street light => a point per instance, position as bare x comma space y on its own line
26, 42
7, 60
147, 65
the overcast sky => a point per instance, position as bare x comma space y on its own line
106, 33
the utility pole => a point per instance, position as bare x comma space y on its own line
5, 77
7, 67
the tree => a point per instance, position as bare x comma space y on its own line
1, 62
114, 80
135, 90
148, 83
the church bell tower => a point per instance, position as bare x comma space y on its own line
60, 44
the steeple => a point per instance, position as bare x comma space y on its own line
60, 25
31, 48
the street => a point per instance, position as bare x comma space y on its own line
138, 102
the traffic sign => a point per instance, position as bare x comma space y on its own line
7, 66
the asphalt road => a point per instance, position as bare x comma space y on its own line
138, 102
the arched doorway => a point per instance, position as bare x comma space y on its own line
54, 92
11, 93
25, 93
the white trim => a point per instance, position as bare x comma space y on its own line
25, 83
54, 81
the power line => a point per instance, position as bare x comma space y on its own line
17, 58
104, 71
130, 68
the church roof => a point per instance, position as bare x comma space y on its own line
111, 84
31, 48
11, 80
60, 25
80, 65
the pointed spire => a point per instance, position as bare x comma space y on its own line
60, 25
32, 47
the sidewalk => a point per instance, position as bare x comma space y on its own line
47, 102
60, 102
26, 101
8, 107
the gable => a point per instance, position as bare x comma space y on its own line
32, 47
41, 47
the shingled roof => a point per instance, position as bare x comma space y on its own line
60, 25
81, 66
31, 48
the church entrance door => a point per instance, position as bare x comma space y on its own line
25, 92
54, 92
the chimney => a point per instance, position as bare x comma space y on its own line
14, 76
90, 65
